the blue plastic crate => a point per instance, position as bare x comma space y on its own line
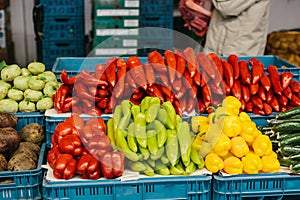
169, 187
259, 186
118, 41
73, 65
52, 122
69, 28
25, 118
116, 4
54, 8
53, 49
159, 21
157, 8
23, 184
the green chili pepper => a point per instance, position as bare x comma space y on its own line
137, 166
145, 103
123, 146
151, 162
196, 158
185, 141
162, 115
135, 109
152, 141
140, 130
131, 140
125, 105
152, 112
161, 168
110, 131
191, 168
164, 159
172, 147
161, 132
144, 152
156, 155
176, 171
117, 115
148, 171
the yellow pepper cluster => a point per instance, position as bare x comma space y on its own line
230, 141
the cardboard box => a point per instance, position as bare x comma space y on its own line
4, 4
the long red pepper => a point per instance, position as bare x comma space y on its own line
157, 61
233, 60
244, 72
181, 64
65, 79
190, 60
265, 81
110, 71
228, 73
275, 79
286, 78
171, 63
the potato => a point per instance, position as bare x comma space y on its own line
33, 132
9, 141
3, 163
20, 162
32, 146
28, 152
8, 120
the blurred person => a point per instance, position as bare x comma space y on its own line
238, 27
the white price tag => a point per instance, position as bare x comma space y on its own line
118, 12
130, 43
131, 23
115, 51
103, 32
132, 3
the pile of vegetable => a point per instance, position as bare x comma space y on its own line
284, 132
153, 138
229, 141
191, 82
19, 151
81, 147
27, 89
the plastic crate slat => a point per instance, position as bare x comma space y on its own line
52, 8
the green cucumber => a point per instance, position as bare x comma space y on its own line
284, 161
289, 113
295, 167
290, 139
287, 126
276, 121
295, 157
289, 150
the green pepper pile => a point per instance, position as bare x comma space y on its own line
27, 89
153, 138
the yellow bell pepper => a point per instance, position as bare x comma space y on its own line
231, 125
270, 164
252, 163
232, 105
262, 145
213, 162
197, 142
244, 116
249, 132
229, 154
233, 165
239, 147
203, 128
222, 146
198, 121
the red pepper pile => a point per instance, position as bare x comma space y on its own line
82, 147
189, 81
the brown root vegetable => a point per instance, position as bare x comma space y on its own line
3, 163
30, 153
20, 162
8, 120
9, 141
33, 132
31, 146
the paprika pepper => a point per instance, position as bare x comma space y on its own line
213, 162
222, 146
98, 145
233, 165
65, 79
52, 155
262, 145
71, 144
65, 167
112, 164
270, 163
88, 167
252, 163
239, 147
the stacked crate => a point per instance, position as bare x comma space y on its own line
6, 43
115, 27
158, 16
60, 29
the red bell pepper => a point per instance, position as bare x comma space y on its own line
157, 61
233, 60
88, 167
76, 121
52, 155
171, 63
97, 124
65, 167
245, 72
93, 111
98, 145
62, 130
102, 104
71, 144
275, 79
112, 164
